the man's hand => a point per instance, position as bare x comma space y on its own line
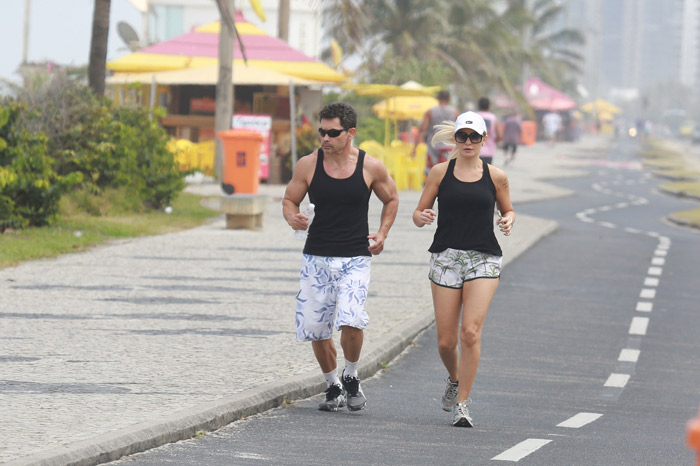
378, 245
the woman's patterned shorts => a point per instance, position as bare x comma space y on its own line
452, 267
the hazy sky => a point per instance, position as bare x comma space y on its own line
59, 31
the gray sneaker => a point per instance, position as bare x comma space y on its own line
450, 397
356, 397
335, 399
460, 415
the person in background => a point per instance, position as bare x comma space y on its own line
434, 116
335, 271
551, 122
512, 129
488, 151
465, 261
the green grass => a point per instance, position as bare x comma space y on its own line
684, 188
687, 217
75, 231
678, 174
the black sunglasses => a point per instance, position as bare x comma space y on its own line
474, 137
333, 133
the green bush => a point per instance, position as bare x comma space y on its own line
112, 147
30, 190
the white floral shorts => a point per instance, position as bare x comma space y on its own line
452, 267
332, 291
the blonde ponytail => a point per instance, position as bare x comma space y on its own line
445, 134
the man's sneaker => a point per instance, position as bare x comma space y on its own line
450, 396
335, 399
460, 415
356, 398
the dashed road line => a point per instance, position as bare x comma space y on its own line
579, 420
644, 306
651, 281
639, 326
617, 380
521, 450
629, 355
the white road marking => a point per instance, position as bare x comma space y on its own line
658, 261
647, 293
580, 420
661, 252
629, 355
639, 326
655, 271
632, 230
644, 306
607, 224
617, 380
649, 281
521, 450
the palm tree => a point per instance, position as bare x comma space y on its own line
98, 46
551, 52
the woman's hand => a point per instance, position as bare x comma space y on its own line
425, 217
505, 223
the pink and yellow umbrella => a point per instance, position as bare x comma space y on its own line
200, 47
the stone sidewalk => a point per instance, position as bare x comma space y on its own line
146, 341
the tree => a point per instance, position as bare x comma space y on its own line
98, 46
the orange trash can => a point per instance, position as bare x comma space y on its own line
241, 161
528, 133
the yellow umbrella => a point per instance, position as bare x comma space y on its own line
600, 106
404, 108
408, 89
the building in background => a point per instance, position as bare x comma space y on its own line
636, 45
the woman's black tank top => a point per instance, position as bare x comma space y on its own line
465, 214
339, 227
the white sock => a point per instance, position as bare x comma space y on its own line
351, 368
331, 377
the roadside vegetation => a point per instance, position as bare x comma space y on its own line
76, 171
672, 161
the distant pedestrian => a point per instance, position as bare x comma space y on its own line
512, 129
551, 122
434, 116
465, 261
335, 271
488, 151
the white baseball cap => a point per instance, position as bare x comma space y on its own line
471, 120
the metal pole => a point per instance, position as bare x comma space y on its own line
293, 123
25, 45
152, 102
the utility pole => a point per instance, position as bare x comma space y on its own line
283, 20
25, 45
224, 86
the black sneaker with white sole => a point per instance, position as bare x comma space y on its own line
355, 395
335, 399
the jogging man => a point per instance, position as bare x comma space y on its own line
335, 271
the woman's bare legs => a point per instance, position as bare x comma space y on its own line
476, 299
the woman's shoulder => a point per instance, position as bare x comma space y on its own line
498, 175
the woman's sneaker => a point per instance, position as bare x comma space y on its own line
356, 398
460, 415
335, 399
449, 398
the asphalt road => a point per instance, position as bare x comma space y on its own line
590, 356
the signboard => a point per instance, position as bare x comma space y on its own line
263, 125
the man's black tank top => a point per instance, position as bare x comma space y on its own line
339, 227
465, 214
